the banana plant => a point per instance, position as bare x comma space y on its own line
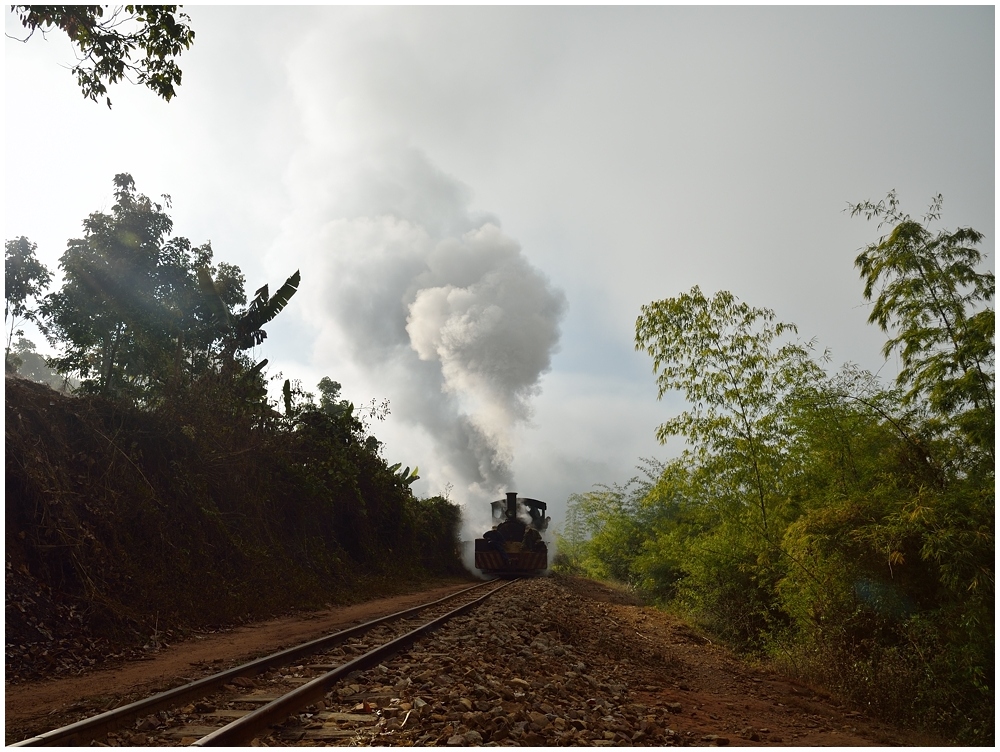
246, 330
404, 476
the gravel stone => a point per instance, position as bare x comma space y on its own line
493, 676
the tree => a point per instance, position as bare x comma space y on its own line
723, 355
140, 311
25, 277
122, 297
33, 367
608, 517
927, 290
838, 525
608, 528
107, 52
329, 398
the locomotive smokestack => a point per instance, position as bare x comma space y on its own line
511, 505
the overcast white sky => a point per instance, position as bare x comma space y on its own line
480, 199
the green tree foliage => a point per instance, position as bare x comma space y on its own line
141, 313
840, 526
128, 299
727, 359
436, 522
637, 533
405, 476
247, 330
609, 515
25, 278
26, 360
332, 457
736, 370
329, 397
107, 47
931, 298
892, 605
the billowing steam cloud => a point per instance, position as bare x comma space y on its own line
488, 318
440, 308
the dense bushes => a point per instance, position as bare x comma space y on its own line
842, 527
878, 583
206, 512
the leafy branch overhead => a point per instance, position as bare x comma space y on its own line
107, 47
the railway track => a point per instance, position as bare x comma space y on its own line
232, 707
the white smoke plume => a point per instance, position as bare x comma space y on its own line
436, 306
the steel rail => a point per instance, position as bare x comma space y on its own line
84, 731
244, 729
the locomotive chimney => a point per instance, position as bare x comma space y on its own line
511, 505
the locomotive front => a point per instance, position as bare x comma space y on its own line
514, 546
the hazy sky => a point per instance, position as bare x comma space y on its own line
480, 199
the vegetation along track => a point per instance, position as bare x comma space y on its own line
229, 707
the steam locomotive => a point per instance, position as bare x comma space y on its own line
514, 546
